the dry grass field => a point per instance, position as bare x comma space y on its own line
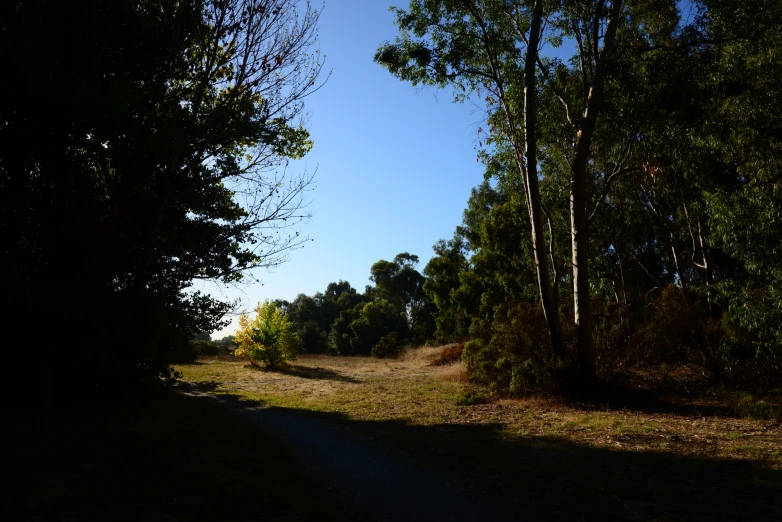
557, 459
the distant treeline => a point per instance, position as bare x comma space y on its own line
389, 315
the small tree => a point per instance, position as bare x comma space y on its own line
269, 338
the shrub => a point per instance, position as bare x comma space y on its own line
205, 347
376, 320
449, 355
311, 338
471, 398
675, 332
512, 353
182, 352
388, 346
751, 407
269, 338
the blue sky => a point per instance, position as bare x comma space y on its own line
395, 163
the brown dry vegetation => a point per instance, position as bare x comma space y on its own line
613, 462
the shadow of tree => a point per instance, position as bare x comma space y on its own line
551, 478
306, 372
626, 397
163, 457
199, 387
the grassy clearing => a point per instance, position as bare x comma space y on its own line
170, 459
556, 460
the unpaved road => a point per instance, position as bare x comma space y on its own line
373, 483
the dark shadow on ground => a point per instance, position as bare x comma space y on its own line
165, 458
200, 387
619, 397
655, 393
306, 372
547, 478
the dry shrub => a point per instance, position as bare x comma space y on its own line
449, 355
425, 354
611, 328
452, 373
675, 332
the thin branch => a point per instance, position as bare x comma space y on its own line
607, 186
582, 58
659, 284
557, 92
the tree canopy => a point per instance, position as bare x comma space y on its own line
647, 160
143, 147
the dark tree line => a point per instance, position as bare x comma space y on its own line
143, 147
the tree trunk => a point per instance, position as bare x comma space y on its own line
677, 267
579, 232
530, 175
579, 224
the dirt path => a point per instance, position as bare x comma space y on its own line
374, 483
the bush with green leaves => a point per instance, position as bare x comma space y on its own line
268, 338
388, 346
510, 353
200, 347
310, 338
376, 320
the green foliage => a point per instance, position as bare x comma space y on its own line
375, 321
341, 333
470, 398
388, 347
205, 347
441, 287
683, 185
510, 353
226, 341
399, 283
311, 338
314, 316
674, 332
341, 320
750, 407
138, 147
268, 338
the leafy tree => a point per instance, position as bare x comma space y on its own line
399, 283
741, 85
155, 162
313, 316
227, 340
340, 333
311, 338
388, 346
544, 114
268, 338
376, 320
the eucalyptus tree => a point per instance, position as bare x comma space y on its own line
402, 285
744, 133
496, 48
